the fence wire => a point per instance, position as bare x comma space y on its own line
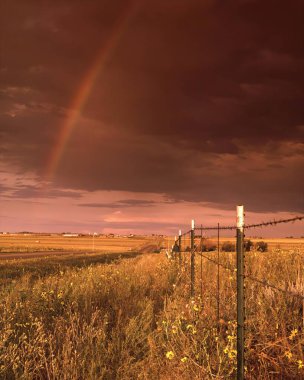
257, 225
240, 283
274, 222
247, 226
218, 263
268, 285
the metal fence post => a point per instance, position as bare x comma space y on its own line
218, 276
192, 261
201, 244
240, 291
180, 246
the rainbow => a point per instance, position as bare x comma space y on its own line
82, 94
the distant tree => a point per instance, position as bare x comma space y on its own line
207, 246
248, 245
228, 246
261, 246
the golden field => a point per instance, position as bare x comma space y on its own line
74, 316
40, 242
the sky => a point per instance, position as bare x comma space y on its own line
140, 115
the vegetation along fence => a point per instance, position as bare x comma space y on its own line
191, 244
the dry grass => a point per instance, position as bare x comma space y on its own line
38, 242
133, 319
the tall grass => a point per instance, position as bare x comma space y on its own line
133, 319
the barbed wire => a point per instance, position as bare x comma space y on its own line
267, 284
261, 224
215, 228
217, 262
274, 222
262, 282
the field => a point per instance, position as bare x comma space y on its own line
49, 243
121, 311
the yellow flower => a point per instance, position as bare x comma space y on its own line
232, 354
300, 364
191, 329
184, 359
195, 308
170, 355
293, 334
288, 355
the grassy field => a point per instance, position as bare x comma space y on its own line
132, 318
39, 242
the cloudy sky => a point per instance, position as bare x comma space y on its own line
139, 115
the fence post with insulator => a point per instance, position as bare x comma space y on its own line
192, 261
180, 246
240, 291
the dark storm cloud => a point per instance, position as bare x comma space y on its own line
197, 100
30, 192
120, 204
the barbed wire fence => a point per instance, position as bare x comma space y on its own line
182, 249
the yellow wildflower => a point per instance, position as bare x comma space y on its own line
195, 308
232, 354
191, 328
293, 334
184, 359
170, 355
300, 364
288, 355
